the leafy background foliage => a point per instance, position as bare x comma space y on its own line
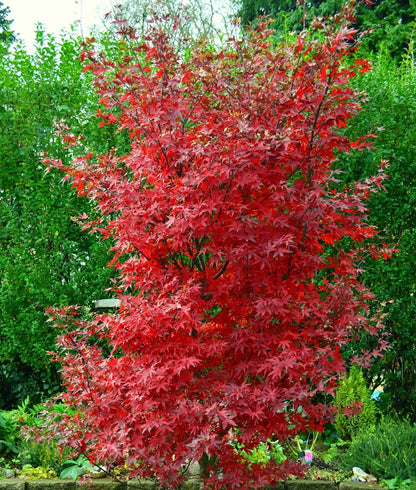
390, 114
45, 260
7, 35
390, 22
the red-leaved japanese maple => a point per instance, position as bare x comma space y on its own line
236, 254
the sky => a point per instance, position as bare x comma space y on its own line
55, 15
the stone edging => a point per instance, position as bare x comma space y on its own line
108, 484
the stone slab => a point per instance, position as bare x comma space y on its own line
12, 484
279, 486
309, 485
138, 484
108, 484
192, 485
356, 485
45, 484
102, 484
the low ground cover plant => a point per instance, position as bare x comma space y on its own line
388, 450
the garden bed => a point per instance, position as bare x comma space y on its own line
108, 484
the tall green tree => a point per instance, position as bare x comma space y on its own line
390, 113
6, 33
391, 22
45, 260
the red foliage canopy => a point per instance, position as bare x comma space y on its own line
237, 253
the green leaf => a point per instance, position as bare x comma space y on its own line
70, 472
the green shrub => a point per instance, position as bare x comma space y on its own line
387, 451
390, 113
9, 431
333, 452
265, 452
42, 455
6, 436
45, 259
355, 409
30, 453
